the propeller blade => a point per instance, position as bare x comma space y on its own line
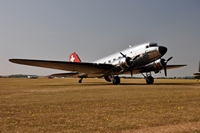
165, 70
129, 62
169, 59
131, 71
165, 66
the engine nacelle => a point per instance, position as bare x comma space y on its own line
129, 63
158, 65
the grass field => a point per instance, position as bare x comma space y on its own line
63, 105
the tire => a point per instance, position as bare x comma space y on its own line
116, 80
150, 80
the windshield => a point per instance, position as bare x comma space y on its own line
153, 44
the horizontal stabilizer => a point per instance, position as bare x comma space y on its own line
65, 74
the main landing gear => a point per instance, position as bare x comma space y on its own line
116, 80
149, 78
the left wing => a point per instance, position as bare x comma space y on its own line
92, 68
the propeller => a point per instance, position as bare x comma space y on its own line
164, 64
129, 61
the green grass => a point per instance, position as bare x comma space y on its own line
63, 105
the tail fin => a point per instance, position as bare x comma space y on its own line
74, 58
199, 66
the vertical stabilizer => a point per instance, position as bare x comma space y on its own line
199, 66
74, 57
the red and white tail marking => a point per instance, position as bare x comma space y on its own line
74, 58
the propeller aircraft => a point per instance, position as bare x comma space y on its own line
142, 58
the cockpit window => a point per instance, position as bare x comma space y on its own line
153, 44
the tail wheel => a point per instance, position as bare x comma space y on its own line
80, 81
116, 80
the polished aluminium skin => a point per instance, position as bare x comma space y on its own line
142, 58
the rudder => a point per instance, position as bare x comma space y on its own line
74, 57
199, 66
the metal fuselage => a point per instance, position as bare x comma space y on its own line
142, 54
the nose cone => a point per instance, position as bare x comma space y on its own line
162, 50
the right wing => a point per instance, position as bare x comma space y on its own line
90, 68
151, 68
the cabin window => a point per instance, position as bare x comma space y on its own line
147, 46
109, 61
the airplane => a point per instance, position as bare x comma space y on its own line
142, 58
197, 75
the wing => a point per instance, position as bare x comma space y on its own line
92, 68
151, 68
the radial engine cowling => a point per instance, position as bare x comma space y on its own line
159, 65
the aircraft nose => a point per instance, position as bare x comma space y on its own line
162, 50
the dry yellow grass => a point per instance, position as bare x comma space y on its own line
63, 105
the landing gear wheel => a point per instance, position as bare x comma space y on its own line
149, 80
116, 80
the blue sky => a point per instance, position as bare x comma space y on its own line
53, 29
